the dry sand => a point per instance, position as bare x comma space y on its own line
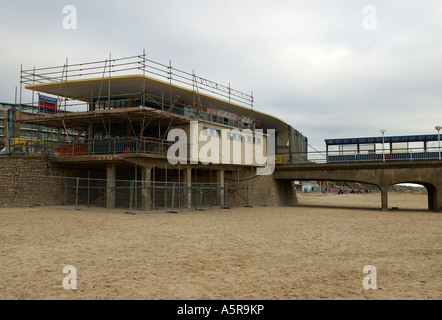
400, 200
243, 253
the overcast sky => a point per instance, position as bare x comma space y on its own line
328, 67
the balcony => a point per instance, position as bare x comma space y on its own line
107, 146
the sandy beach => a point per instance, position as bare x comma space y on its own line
301, 252
398, 200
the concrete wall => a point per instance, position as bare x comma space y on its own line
245, 188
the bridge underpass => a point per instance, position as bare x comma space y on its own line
383, 175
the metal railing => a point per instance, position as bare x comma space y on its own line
107, 146
353, 156
154, 146
116, 146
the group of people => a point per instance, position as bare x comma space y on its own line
341, 191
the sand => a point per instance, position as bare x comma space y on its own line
264, 253
400, 200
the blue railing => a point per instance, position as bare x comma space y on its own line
349, 156
416, 156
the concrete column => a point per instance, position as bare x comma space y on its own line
384, 198
438, 199
285, 192
432, 197
220, 181
146, 177
110, 194
187, 179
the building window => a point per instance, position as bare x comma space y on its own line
234, 136
254, 140
212, 132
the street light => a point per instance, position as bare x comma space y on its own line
383, 144
438, 138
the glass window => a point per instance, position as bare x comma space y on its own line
254, 140
234, 136
212, 132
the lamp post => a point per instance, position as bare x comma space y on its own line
383, 144
438, 139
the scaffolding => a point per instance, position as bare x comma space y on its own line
111, 67
104, 75
20, 138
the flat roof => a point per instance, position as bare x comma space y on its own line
87, 89
387, 139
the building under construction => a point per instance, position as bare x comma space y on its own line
110, 120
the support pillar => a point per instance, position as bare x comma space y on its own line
146, 179
384, 198
90, 136
438, 200
220, 181
187, 179
432, 197
286, 193
110, 184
